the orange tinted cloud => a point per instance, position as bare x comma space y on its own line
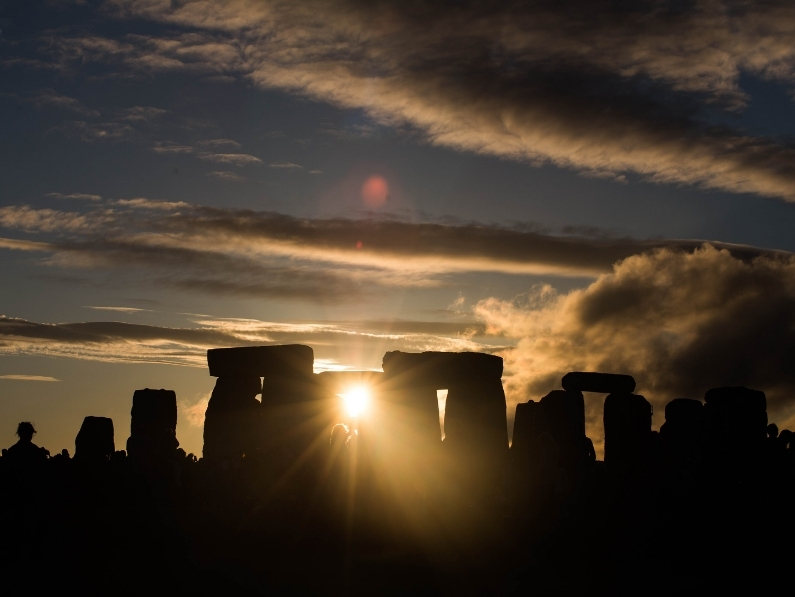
679, 322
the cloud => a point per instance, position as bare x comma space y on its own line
28, 378
285, 165
118, 309
346, 343
143, 203
596, 88
82, 196
264, 254
195, 412
679, 322
220, 143
25, 245
350, 132
226, 175
141, 113
50, 98
26, 218
235, 159
91, 132
110, 341
165, 148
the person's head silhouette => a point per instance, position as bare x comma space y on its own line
25, 431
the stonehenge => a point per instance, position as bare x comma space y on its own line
94, 442
475, 411
297, 409
604, 383
735, 420
153, 424
682, 433
560, 416
232, 419
287, 419
627, 424
475, 421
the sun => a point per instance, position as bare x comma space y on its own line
356, 400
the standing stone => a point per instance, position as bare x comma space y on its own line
153, 425
627, 424
475, 424
604, 383
475, 398
682, 434
522, 452
261, 361
94, 442
564, 420
283, 424
232, 419
524, 422
736, 422
475, 417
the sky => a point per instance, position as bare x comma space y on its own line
599, 186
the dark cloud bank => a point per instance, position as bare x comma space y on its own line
604, 88
243, 252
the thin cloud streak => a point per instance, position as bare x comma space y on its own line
248, 253
29, 378
118, 309
112, 341
235, 159
84, 196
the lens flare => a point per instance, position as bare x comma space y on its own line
375, 191
356, 400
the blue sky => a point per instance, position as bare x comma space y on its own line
195, 170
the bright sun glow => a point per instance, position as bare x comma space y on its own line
356, 400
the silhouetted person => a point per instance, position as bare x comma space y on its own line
772, 431
785, 438
25, 452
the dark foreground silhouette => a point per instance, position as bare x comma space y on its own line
294, 496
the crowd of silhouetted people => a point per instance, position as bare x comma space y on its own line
704, 503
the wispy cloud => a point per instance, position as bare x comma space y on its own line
285, 165
51, 98
118, 309
628, 92
82, 196
26, 245
166, 148
235, 159
125, 342
194, 412
220, 143
226, 175
28, 378
142, 114
144, 203
26, 218
241, 252
95, 131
